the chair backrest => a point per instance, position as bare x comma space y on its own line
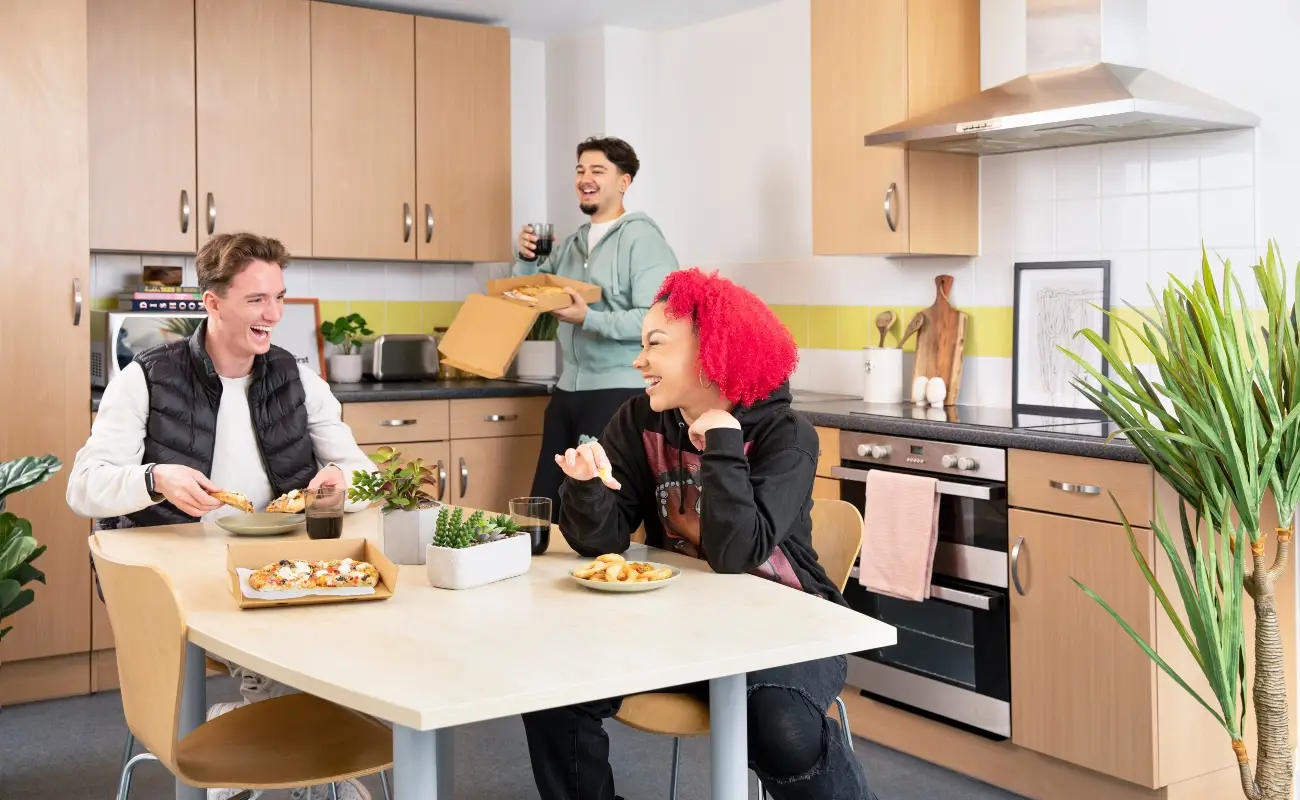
837, 538
149, 631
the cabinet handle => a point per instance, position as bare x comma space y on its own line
185, 211
442, 480
428, 223
890, 194
212, 214
76, 302
501, 418
396, 423
406, 231
464, 478
1074, 488
1015, 565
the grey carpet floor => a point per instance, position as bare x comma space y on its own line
71, 750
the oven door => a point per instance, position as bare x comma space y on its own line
952, 659
973, 539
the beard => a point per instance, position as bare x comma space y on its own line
588, 208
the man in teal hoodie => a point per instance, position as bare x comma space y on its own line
626, 255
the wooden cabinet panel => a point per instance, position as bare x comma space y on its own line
497, 416
1080, 487
254, 119
363, 133
942, 191
829, 440
1064, 646
141, 79
826, 489
437, 456
44, 225
401, 421
462, 124
487, 473
943, 53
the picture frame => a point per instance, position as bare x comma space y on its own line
1054, 300
298, 331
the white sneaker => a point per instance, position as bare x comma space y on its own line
217, 709
350, 789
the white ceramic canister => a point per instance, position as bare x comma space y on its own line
882, 377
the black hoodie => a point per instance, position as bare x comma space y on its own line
743, 505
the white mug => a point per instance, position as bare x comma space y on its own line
882, 378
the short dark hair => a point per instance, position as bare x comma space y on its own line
225, 255
619, 152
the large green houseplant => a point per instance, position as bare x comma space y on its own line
1218, 422
18, 548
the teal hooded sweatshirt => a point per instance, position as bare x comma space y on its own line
629, 264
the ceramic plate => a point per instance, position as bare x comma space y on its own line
262, 523
605, 586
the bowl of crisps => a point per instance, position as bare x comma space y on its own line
613, 573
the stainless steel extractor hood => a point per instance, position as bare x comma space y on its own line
1083, 87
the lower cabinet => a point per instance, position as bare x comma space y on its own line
487, 473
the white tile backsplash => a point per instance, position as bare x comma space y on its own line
1035, 226
998, 180
1227, 159
1228, 217
1078, 173
1130, 273
1175, 220
1035, 176
1175, 164
402, 281
1125, 222
1078, 225
1124, 168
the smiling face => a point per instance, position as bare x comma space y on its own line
669, 362
242, 317
599, 185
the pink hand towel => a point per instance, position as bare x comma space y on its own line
901, 528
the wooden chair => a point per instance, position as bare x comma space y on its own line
837, 538
278, 743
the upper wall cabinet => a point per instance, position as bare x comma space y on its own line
254, 119
876, 63
141, 83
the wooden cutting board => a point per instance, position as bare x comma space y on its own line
941, 341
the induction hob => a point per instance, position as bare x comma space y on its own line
995, 417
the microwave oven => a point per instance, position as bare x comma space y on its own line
116, 337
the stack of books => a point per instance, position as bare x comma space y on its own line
145, 297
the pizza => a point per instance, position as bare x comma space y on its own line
286, 575
293, 502
234, 499
530, 294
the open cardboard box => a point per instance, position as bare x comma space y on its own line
488, 329
255, 555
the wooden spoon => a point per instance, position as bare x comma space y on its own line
917, 323
884, 321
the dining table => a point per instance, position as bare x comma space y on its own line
428, 660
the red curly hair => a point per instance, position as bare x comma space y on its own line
744, 348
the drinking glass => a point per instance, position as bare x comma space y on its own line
545, 234
533, 515
325, 512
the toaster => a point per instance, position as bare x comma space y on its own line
400, 357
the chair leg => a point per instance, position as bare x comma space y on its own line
126, 751
334, 791
383, 784
677, 765
844, 721
124, 783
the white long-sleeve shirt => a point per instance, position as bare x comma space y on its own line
107, 477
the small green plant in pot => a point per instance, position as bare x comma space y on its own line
407, 492
18, 547
474, 549
345, 333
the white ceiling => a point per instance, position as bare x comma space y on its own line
543, 19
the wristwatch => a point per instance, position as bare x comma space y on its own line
148, 483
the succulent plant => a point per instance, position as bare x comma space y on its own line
454, 531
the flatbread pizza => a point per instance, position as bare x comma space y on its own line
292, 502
286, 575
234, 499
530, 294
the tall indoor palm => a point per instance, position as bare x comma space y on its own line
1218, 422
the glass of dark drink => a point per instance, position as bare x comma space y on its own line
325, 512
545, 234
533, 516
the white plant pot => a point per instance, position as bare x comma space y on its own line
407, 534
538, 360
479, 564
345, 369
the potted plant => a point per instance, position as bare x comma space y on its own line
539, 354
345, 333
476, 550
407, 494
18, 548
1218, 422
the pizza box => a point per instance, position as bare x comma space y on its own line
488, 329
254, 555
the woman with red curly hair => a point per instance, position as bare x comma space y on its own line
715, 464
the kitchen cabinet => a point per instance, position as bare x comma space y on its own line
825, 486
142, 125
45, 227
876, 63
363, 133
487, 473
462, 151
253, 66
436, 455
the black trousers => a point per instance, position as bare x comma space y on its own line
569, 416
797, 751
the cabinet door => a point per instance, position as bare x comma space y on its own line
363, 133
462, 124
1081, 689
437, 456
487, 473
254, 119
141, 77
859, 84
45, 348
826, 489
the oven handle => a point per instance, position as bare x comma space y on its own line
942, 487
951, 595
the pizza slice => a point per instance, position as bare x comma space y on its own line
530, 294
282, 575
344, 573
234, 499
293, 502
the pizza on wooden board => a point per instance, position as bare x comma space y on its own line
293, 502
234, 499
286, 575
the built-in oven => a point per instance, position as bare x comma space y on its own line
952, 659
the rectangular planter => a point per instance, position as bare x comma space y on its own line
537, 360
479, 564
408, 533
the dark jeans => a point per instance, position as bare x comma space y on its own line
569, 416
796, 750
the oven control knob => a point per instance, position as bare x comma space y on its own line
967, 463
864, 450
881, 451
949, 461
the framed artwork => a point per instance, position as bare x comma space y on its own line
299, 332
1054, 300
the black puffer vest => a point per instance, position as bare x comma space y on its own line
184, 395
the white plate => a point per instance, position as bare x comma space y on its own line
646, 586
262, 523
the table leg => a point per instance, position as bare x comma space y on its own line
194, 709
422, 764
729, 738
